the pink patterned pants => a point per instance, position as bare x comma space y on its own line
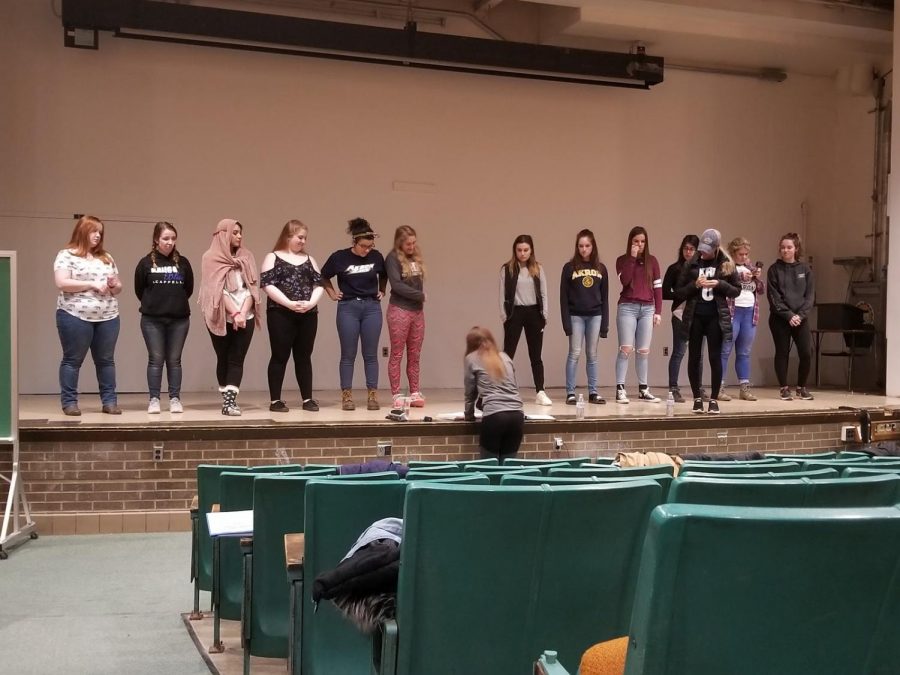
406, 328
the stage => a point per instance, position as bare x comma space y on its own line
135, 471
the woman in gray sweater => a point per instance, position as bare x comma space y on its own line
405, 315
490, 375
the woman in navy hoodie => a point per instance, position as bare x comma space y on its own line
584, 306
792, 293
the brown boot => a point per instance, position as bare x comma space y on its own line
347, 400
746, 394
372, 402
723, 395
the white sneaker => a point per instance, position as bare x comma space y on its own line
645, 395
175, 405
153, 407
621, 396
542, 399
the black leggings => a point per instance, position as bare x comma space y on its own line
501, 434
782, 334
231, 349
530, 318
705, 326
291, 333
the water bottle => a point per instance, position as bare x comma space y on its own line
670, 405
579, 407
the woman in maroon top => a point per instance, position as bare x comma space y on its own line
639, 310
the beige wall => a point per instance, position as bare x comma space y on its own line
139, 131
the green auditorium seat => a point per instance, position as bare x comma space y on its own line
434, 468
614, 472
597, 462
487, 461
774, 475
852, 454
801, 492
337, 512
423, 474
664, 480
767, 591
878, 459
429, 464
495, 473
488, 572
456, 479
737, 467
518, 461
375, 475
796, 457
858, 471
838, 464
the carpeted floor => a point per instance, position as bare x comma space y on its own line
97, 605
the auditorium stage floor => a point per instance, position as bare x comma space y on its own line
203, 408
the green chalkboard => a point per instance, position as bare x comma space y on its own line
7, 344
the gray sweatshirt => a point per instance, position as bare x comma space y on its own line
496, 396
406, 292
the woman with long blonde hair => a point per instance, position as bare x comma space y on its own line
405, 314
491, 376
87, 313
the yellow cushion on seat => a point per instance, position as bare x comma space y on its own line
605, 658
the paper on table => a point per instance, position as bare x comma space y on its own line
548, 418
455, 416
230, 523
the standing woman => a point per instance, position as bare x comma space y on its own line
164, 283
705, 284
291, 279
490, 376
405, 315
792, 293
584, 305
640, 309
361, 285
523, 304
744, 317
679, 335
229, 300
87, 313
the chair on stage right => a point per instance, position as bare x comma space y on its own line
774, 591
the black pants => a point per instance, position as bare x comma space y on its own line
705, 326
501, 434
530, 318
231, 349
291, 333
782, 334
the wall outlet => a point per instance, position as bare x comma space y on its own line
557, 443
665, 351
158, 452
849, 433
384, 448
384, 351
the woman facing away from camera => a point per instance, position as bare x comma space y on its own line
406, 315
491, 376
679, 335
792, 294
705, 284
584, 307
291, 279
523, 305
164, 283
744, 317
229, 300
87, 313
639, 310
361, 284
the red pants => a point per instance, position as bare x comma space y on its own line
406, 328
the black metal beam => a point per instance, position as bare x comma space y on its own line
405, 46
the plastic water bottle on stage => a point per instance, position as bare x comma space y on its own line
579, 407
670, 405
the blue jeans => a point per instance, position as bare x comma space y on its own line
76, 337
165, 340
743, 331
585, 329
359, 320
634, 324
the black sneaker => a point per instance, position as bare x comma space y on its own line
786, 394
698, 406
676, 394
570, 399
803, 392
596, 399
311, 405
713, 407
277, 406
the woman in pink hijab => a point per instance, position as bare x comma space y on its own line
229, 300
